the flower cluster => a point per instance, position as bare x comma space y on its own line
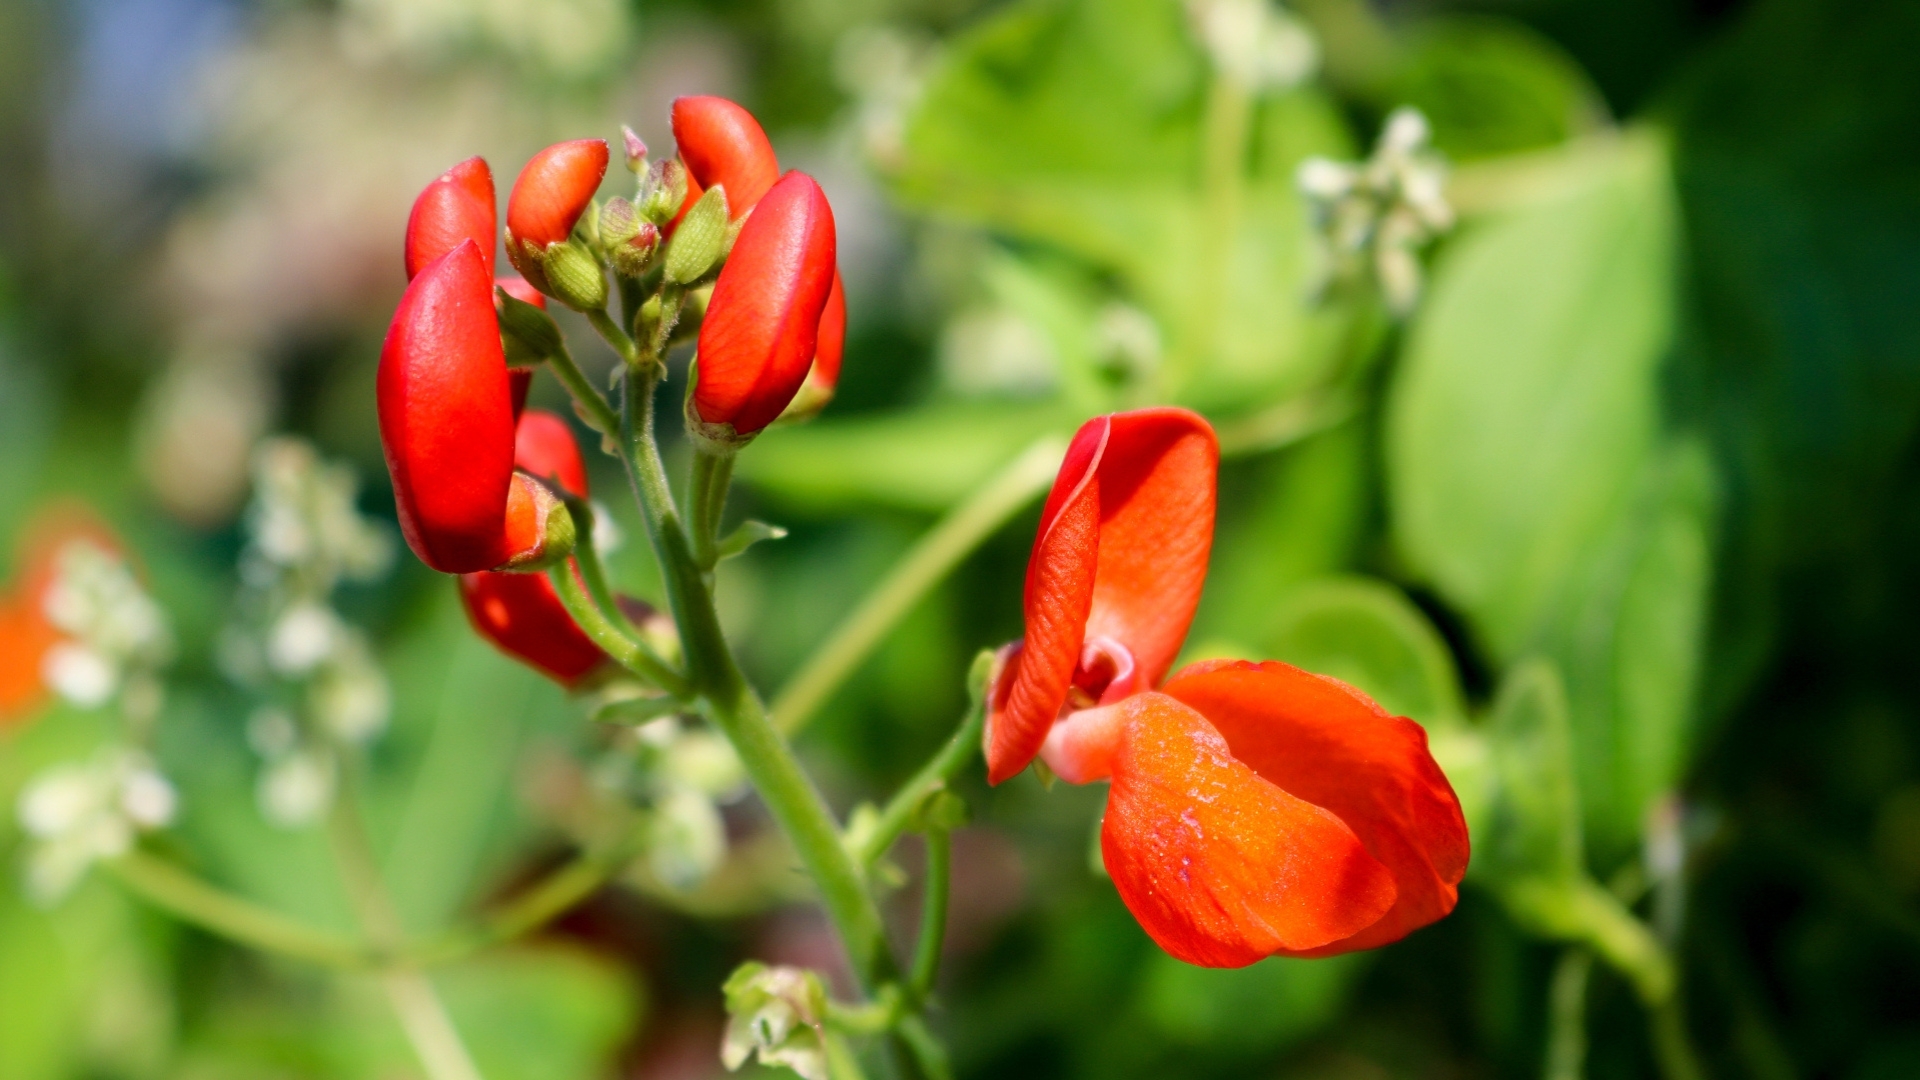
109, 637
288, 642
1377, 214
1255, 809
79, 813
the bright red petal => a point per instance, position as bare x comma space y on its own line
522, 615
1060, 577
832, 340
446, 415
1157, 481
763, 322
553, 190
1329, 744
722, 144
457, 206
1221, 867
543, 447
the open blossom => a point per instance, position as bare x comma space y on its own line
1255, 809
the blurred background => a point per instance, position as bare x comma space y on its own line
1574, 417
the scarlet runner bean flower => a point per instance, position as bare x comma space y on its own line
1255, 809
521, 614
549, 196
721, 143
446, 424
762, 325
454, 207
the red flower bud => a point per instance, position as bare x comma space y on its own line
553, 191
457, 206
543, 448
446, 419
763, 322
522, 290
523, 616
723, 144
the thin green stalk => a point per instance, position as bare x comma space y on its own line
626, 651
1282, 425
554, 895
1567, 1016
706, 501
920, 1044
1672, 1047
622, 343
927, 563
933, 914
599, 585
422, 1015
936, 774
193, 900
1226, 129
593, 404
787, 791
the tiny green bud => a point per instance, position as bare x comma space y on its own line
528, 333
574, 276
636, 150
701, 240
618, 223
664, 189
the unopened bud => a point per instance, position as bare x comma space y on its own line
573, 276
636, 150
635, 257
664, 189
618, 222
554, 534
701, 240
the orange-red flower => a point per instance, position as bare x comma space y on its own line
1255, 809
721, 143
457, 206
446, 424
762, 325
551, 193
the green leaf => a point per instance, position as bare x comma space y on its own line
1367, 633
1535, 826
927, 459
748, 534
1489, 86
1078, 126
1527, 398
1262, 1008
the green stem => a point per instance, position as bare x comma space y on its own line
1672, 1048
1567, 1016
422, 1015
620, 340
593, 404
551, 897
929, 561
599, 585
935, 775
923, 1047
933, 914
1227, 126
626, 651
1282, 425
707, 501
790, 797
193, 900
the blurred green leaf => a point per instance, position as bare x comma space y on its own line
927, 459
1535, 826
1261, 1008
1526, 402
1367, 633
1078, 125
1489, 86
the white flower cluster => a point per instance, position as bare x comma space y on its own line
306, 538
1254, 43
114, 637
1378, 213
78, 813
679, 775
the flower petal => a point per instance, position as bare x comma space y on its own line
523, 616
543, 447
1221, 867
446, 415
1157, 481
1329, 744
457, 206
721, 143
1032, 686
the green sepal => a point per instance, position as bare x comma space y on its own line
700, 240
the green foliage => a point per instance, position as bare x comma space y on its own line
1490, 87
1530, 477
1366, 633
